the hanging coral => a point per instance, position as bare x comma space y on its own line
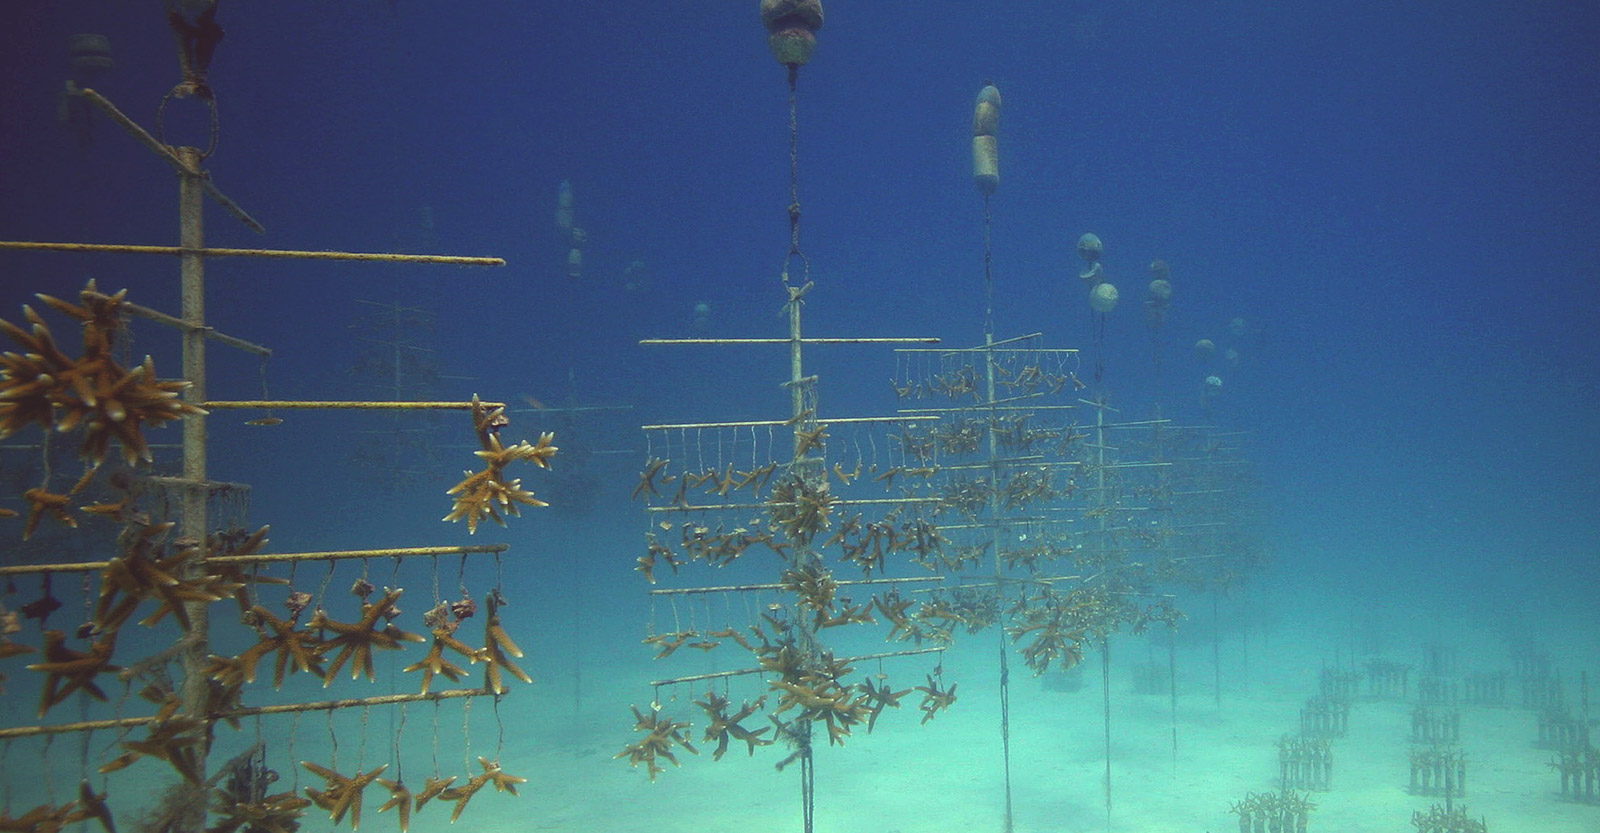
45, 386
487, 493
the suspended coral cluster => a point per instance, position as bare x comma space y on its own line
662, 733
487, 493
46, 817
44, 385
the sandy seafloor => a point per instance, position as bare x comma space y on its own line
943, 776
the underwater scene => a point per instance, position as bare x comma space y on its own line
799, 415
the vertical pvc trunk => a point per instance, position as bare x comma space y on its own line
192, 520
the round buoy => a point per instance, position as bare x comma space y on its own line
1231, 356
1237, 326
986, 140
1205, 348
1103, 298
1160, 292
1090, 248
792, 29
1160, 270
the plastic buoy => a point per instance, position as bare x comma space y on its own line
90, 53
1103, 298
1090, 248
986, 140
792, 29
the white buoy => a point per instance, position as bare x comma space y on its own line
986, 140
1090, 248
792, 29
1103, 298
91, 54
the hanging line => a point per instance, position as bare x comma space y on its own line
1005, 723
1005, 668
808, 784
988, 278
1105, 693
1099, 346
1156, 326
794, 185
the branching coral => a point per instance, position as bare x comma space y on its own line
443, 626
487, 493
662, 734
800, 506
356, 640
879, 697
148, 568
724, 726
492, 774
343, 792
70, 670
46, 818
498, 648
43, 385
278, 636
935, 698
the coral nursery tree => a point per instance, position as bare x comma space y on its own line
172, 578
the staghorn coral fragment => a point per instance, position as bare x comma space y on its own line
41, 504
44, 386
487, 494
433, 788
343, 793
662, 734
434, 664
492, 774
935, 698
399, 800
70, 670
497, 647
356, 640
171, 739
147, 569
93, 806
42, 819
297, 650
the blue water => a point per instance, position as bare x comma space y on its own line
1400, 200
